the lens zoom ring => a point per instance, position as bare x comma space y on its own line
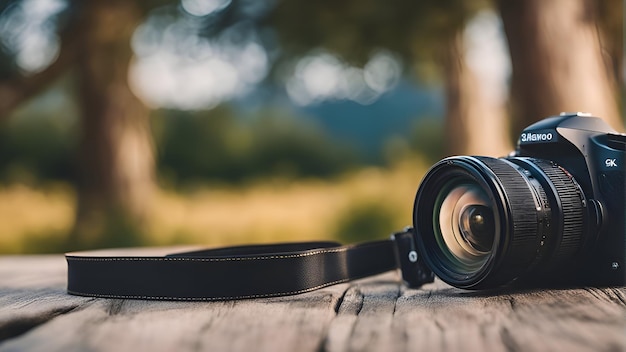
523, 211
571, 211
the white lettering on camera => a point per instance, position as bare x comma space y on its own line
610, 163
536, 137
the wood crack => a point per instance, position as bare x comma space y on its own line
341, 326
351, 302
508, 341
512, 303
612, 295
116, 306
340, 301
21, 325
619, 295
395, 300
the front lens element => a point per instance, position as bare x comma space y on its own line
465, 222
478, 227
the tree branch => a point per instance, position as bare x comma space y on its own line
15, 91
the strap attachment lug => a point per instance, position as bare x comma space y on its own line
415, 272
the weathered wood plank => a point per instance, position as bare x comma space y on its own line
367, 315
32, 292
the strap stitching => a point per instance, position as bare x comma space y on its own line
265, 295
265, 257
105, 259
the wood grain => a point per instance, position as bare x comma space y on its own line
374, 314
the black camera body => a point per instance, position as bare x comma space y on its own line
594, 155
552, 213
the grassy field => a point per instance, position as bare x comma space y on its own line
372, 202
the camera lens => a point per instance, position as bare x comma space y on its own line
482, 222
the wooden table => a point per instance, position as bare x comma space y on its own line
374, 314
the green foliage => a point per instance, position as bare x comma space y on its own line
365, 220
214, 145
192, 147
195, 147
110, 229
428, 139
41, 243
39, 139
32, 151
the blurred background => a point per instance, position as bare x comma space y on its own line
162, 122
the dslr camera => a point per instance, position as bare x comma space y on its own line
551, 213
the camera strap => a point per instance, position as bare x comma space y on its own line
244, 271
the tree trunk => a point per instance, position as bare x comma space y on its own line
116, 152
557, 61
475, 124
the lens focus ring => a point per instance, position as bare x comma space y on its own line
525, 234
568, 207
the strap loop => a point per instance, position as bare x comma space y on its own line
415, 273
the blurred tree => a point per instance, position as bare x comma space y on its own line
610, 21
475, 123
364, 220
116, 153
558, 62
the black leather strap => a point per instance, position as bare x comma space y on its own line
233, 272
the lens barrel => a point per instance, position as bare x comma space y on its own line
483, 222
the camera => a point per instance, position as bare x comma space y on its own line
551, 213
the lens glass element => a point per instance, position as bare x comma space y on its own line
464, 224
477, 227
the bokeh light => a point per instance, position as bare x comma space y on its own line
27, 31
